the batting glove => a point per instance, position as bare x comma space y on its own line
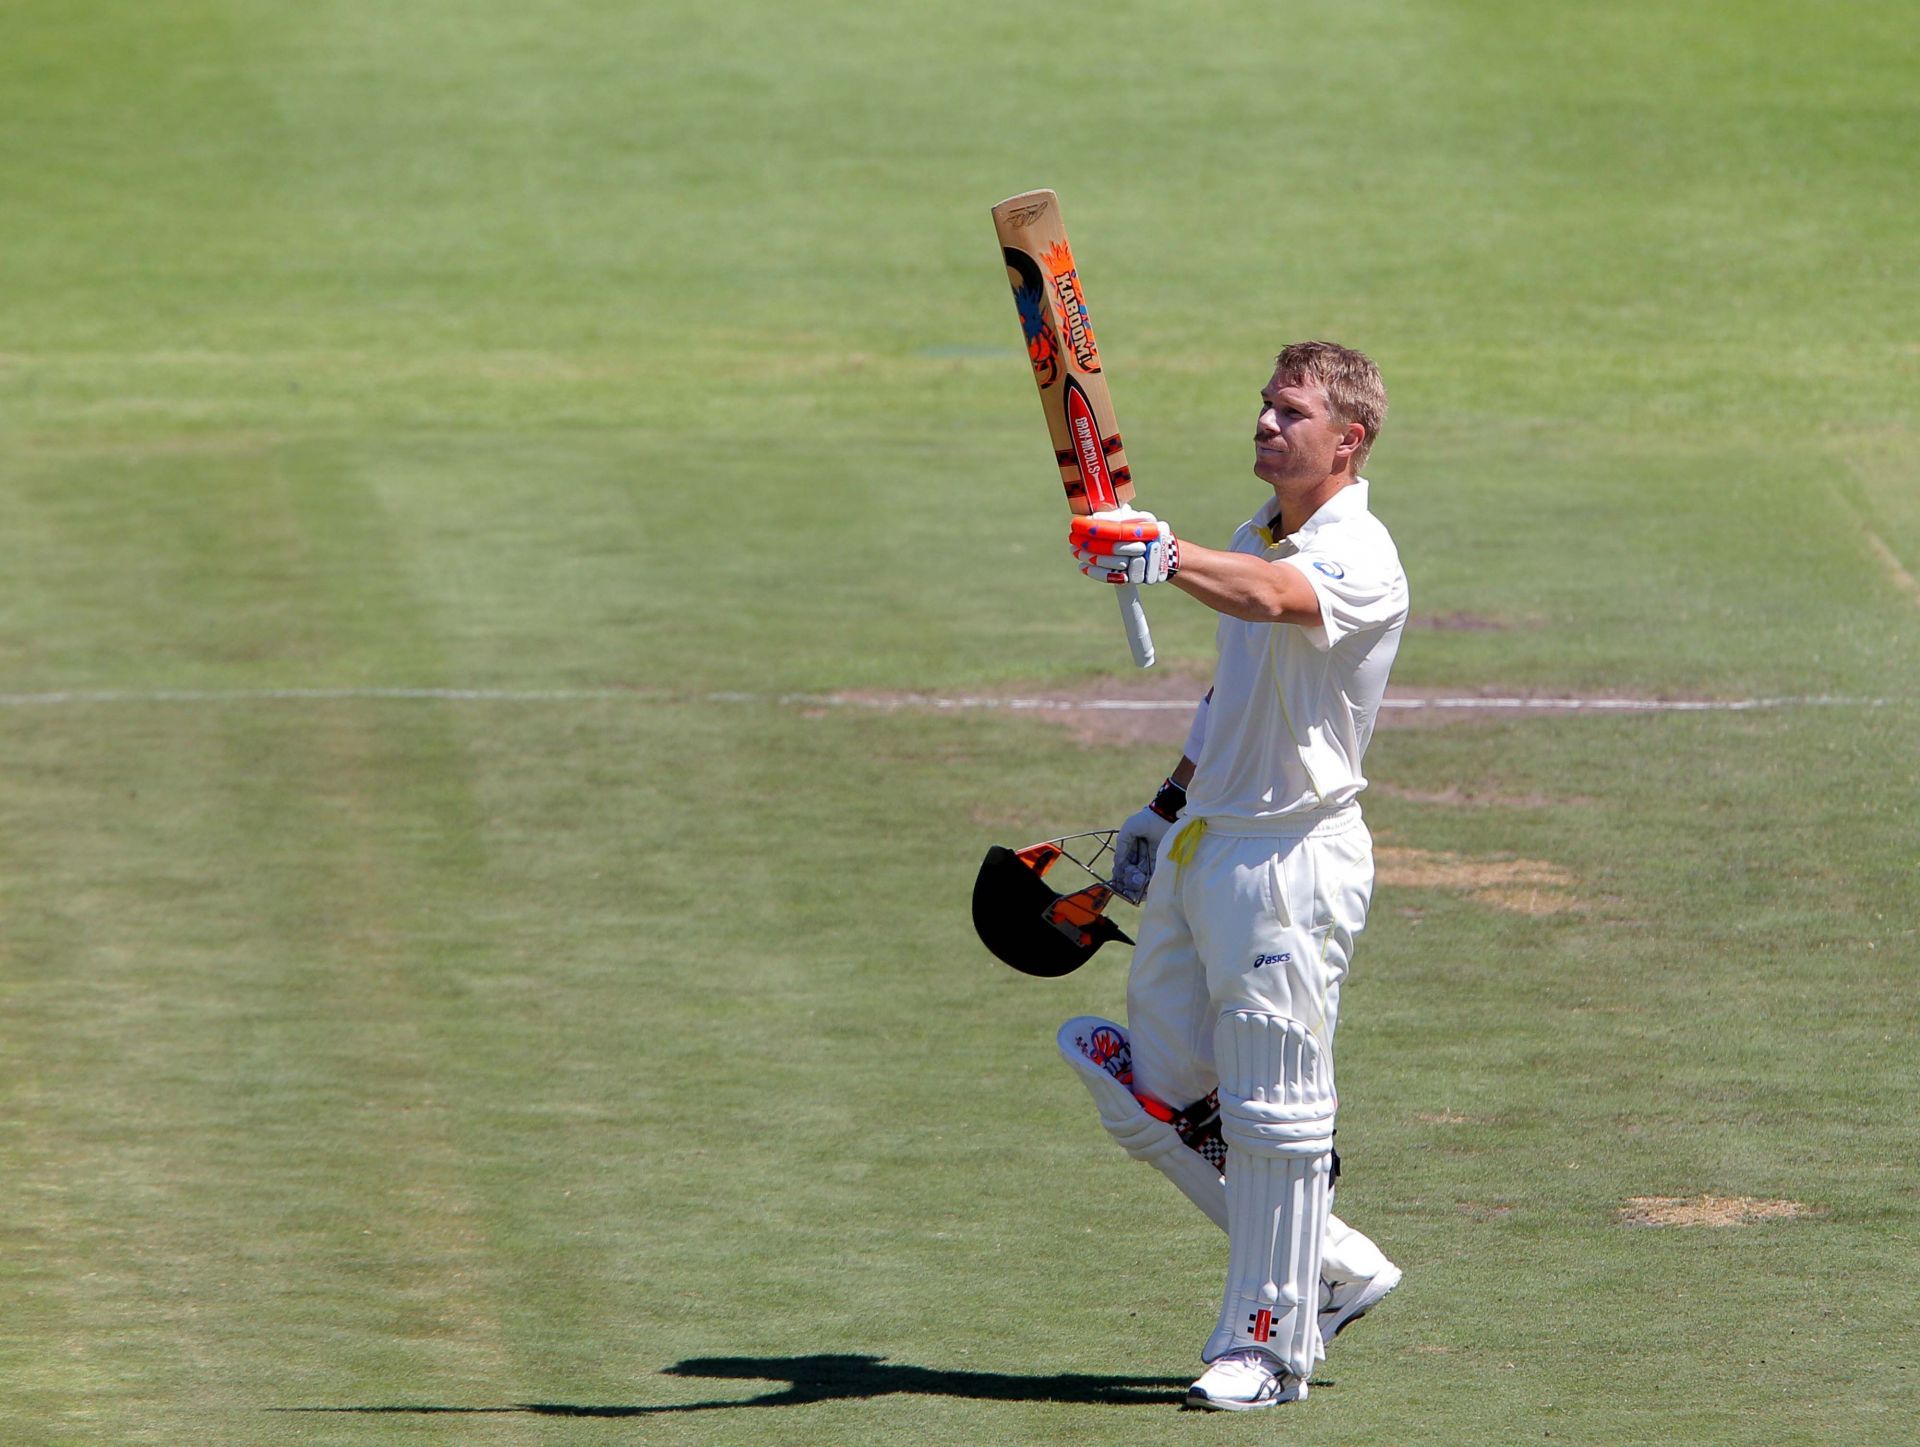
1124, 547
1137, 844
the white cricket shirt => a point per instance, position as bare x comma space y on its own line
1293, 708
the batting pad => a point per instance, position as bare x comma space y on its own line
1102, 1056
1348, 1255
1277, 1108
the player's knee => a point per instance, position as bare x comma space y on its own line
1276, 1085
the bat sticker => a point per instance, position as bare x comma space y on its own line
1109, 445
1073, 308
1029, 295
1089, 451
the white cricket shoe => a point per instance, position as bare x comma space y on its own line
1245, 1381
1348, 1302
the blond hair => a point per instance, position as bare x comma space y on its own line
1354, 390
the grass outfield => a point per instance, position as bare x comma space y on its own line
604, 1054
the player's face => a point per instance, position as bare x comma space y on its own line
1295, 436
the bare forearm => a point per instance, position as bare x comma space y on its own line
1245, 587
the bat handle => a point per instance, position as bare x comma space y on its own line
1134, 616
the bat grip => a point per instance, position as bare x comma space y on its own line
1134, 616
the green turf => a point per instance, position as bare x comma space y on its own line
582, 1067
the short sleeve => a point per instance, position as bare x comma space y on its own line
1361, 588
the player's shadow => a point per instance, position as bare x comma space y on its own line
839, 1378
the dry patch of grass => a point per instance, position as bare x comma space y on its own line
1459, 622
1519, 886
1707, 1211
1483, 1210
1455, 797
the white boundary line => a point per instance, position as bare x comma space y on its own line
323, 695
888, 703
1468, 703
1640, 705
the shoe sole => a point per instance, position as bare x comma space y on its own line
1375, 1293
1201, 1402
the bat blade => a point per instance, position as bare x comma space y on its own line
1065, 357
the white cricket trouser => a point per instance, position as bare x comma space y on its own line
1249, 921
1244, 944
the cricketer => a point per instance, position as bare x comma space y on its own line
1257, 871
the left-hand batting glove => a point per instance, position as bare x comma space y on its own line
1137, 842
1124, 547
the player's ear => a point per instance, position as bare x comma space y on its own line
1353, 440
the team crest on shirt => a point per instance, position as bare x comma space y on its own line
1332, 570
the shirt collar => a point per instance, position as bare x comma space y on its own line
1349, 502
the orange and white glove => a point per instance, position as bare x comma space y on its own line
1124, 547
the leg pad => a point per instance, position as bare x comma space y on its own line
1277, 1107
1101, 1055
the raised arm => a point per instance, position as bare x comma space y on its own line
1246, 587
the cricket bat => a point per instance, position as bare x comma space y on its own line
1066, 365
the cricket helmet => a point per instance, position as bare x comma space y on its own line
1030, 926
